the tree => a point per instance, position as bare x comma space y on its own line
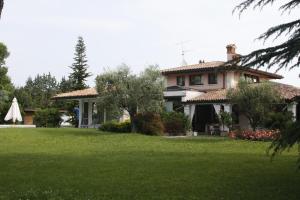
80, 66
1, 6
6, 87
3, 54
283, 55
39, 90
125, 91
255, 101
226, 119
65, 85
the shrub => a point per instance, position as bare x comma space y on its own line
175, 123
258, 135
278, 120
116, 127
149, 123
49, 117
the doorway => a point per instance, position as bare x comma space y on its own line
204, 115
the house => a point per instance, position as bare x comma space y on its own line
88, 116
199, 90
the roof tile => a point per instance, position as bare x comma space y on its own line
288, 92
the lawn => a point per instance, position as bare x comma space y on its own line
88, 164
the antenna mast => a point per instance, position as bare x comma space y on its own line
183, 51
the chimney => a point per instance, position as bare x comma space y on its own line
231, 54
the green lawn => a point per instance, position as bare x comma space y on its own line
87, 164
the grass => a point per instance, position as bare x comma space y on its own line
88, 164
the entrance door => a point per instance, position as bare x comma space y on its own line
204, 114
85, 114
298, 112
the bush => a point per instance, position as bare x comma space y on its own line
278, 120
116, 127
175, 123
149, 123
258, 135
49, 117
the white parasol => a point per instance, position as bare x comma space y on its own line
14, 113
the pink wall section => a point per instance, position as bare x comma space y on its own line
172, 81
230, 79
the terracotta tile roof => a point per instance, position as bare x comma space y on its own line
216, 65
211, 96
85, 93
288, 92
205, 65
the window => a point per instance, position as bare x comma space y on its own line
180, 80
213, 78
196, 80
251, 78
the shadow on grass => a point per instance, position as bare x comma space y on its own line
198, 139
76, 132
147, 175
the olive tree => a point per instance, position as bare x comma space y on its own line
129, 92
255, 101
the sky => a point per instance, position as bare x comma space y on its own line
41, 34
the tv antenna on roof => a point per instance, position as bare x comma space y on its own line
183, 51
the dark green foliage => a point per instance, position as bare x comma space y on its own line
283, 55
49, 117
226, 119
255, 101
37, 92
289, 136
1, 6
149, 123
79, 67
3, 54
6, 87
175, 123
278, 120
65, 85
116, 127
289, 132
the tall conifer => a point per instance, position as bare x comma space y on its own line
79, 67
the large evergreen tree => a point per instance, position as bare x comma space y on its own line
284, 55
1, 6
6, 87
79, 67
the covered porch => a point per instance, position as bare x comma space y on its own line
204, 109
86, 112
205, 119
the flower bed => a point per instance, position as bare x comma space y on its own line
259, 135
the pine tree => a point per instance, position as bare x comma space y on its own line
1, 6
65, 85
284, 55
79, 67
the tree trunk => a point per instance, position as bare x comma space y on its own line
132, 120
